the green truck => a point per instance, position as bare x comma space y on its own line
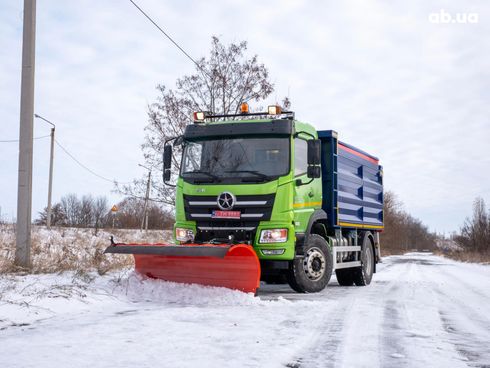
303, 202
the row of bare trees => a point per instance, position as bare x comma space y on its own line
475, 232
94, 212
86, 211
402, 231
131, 213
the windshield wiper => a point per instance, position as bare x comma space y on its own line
214, 177
259, 174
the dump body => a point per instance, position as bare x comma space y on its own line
352, 185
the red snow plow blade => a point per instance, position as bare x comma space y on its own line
231, 266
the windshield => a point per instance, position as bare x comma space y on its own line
244, 159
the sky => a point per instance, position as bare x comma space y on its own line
391, 77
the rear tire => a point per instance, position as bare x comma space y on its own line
311, 272
345, 277
364, 274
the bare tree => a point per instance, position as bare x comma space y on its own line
475, 232
86, 215
99, 211
70, 206
58, 217
220, 84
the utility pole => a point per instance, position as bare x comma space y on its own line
147, 199
24, 192
51, 158
144, 220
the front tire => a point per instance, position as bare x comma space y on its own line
311, 272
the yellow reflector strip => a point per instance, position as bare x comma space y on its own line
361, 225
306, 204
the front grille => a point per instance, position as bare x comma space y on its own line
253, 209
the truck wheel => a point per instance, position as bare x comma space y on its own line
345, 277
311, 272
364, 274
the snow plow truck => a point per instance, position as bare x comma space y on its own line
263, 196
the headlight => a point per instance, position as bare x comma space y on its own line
274, 236
184, 235
273, 252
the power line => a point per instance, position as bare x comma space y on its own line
16, 140
85, 167
71, 156
170, 38
179, 47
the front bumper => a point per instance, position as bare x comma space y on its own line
288, 246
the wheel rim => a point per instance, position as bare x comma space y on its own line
368, 261
314, 264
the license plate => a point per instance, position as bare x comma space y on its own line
226, 214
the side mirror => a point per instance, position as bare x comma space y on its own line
313, 172
314, 152
179, 140
167, 162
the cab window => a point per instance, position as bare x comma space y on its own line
300, 157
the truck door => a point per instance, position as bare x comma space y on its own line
307, 197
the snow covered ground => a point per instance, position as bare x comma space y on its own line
420, 311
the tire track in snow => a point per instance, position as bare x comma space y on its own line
327, 342
467, 344
435, 307
392, 351
456, 275
357, 320
396, 321
393, 348
478, 320
468, 328
463, 313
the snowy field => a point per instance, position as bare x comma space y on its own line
420, 311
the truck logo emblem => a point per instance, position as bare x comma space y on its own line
226, 201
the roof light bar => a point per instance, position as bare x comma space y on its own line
244, 112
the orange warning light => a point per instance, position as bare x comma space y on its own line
244, 108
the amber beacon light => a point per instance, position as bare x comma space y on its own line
244, 108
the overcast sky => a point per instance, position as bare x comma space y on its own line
413, 92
